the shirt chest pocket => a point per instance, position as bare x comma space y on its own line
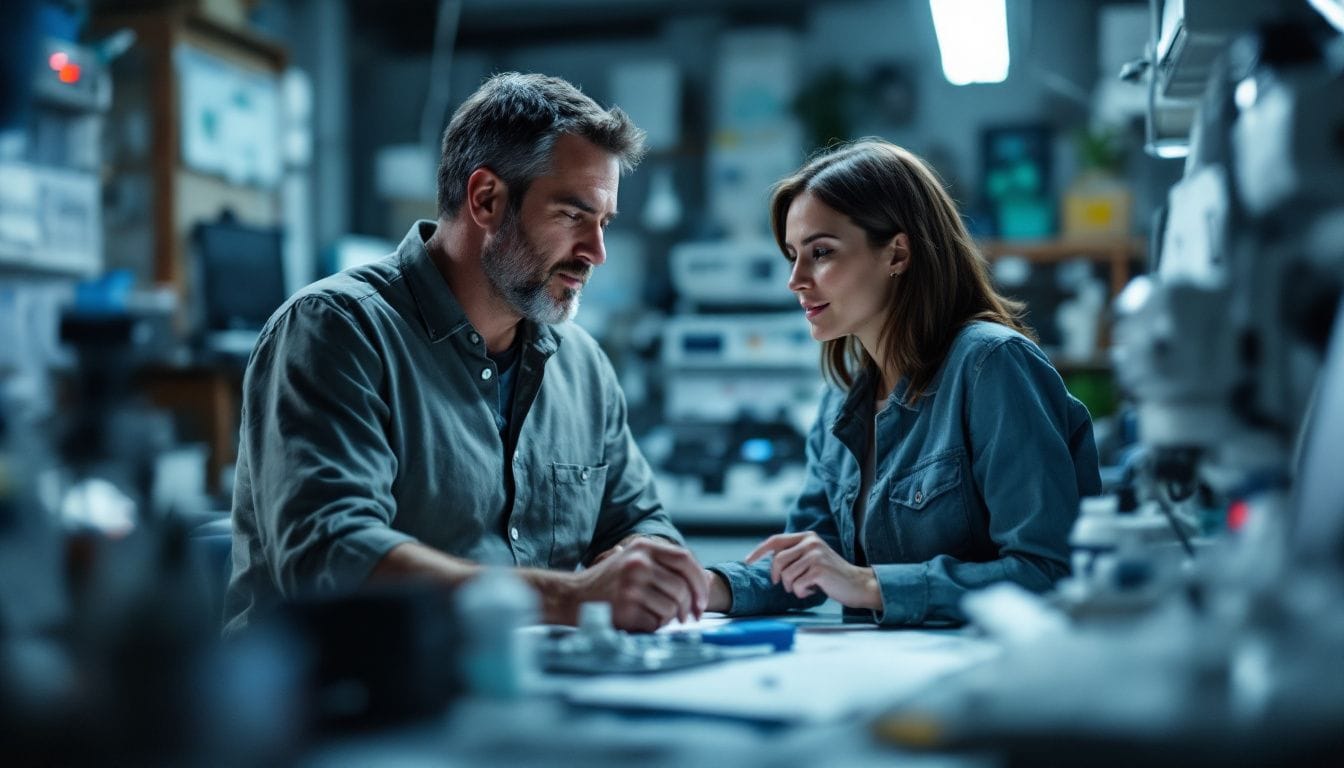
576, 500
928, 510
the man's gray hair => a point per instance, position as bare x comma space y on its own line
510, 125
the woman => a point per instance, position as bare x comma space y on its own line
948, 455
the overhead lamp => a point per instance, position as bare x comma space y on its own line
973, 40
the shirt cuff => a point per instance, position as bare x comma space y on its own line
660, 529
353, 556
752, 591
905, 593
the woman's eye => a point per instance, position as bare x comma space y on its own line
821, 253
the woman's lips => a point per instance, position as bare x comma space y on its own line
813, 311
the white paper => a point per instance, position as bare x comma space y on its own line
834, 672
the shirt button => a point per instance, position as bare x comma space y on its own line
486, 374
513, 533
583, 475
919, 496
475, 338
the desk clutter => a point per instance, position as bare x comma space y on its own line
595, 647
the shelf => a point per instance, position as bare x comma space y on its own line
1120, 254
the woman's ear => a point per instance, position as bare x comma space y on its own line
487, 197
898, 251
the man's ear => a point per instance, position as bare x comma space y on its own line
487, 198
898, 251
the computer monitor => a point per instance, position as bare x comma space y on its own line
241, 280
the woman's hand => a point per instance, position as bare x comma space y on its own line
804, 563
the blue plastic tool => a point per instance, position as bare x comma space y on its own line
778, 634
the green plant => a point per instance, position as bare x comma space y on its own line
1101, 148
825, 107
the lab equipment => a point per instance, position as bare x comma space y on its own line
595, 647
741, 384
1224, 645
746, 273
50, 203
492, 608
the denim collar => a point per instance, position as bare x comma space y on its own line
862, 390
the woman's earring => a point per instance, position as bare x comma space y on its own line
893, 274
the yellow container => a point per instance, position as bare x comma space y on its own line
1097, 204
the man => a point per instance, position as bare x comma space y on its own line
435, 410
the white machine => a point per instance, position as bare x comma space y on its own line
1227, 351
746, 273
741, 382
50, 202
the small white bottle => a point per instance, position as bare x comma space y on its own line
493, 609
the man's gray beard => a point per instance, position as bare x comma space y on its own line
512, 265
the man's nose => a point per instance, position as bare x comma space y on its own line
593, 247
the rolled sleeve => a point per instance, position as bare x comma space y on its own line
905, 593
321, 466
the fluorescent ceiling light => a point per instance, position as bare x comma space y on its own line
973, 38
1332, 10
1168, 150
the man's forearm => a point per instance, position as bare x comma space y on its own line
414, 561
559, 594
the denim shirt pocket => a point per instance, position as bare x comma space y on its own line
928, 509
576, 500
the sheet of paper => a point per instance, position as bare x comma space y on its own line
834, 672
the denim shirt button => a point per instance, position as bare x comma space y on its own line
475, 338
486, 374
919, 496
583, 475
513, 533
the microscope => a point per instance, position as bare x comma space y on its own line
1232, 349
1221, 346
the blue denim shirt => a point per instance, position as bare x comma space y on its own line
977, 482
368, 420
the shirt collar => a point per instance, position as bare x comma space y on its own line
440, 312
862, 390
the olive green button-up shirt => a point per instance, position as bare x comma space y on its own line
367, 421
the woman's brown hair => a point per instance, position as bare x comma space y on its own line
886, 190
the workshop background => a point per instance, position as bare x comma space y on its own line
217, 155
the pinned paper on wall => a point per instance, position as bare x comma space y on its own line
231, 123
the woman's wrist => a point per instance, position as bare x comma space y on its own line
872, 589
720, 594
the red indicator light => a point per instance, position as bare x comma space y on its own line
58, 60
1238, 512
69, 73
